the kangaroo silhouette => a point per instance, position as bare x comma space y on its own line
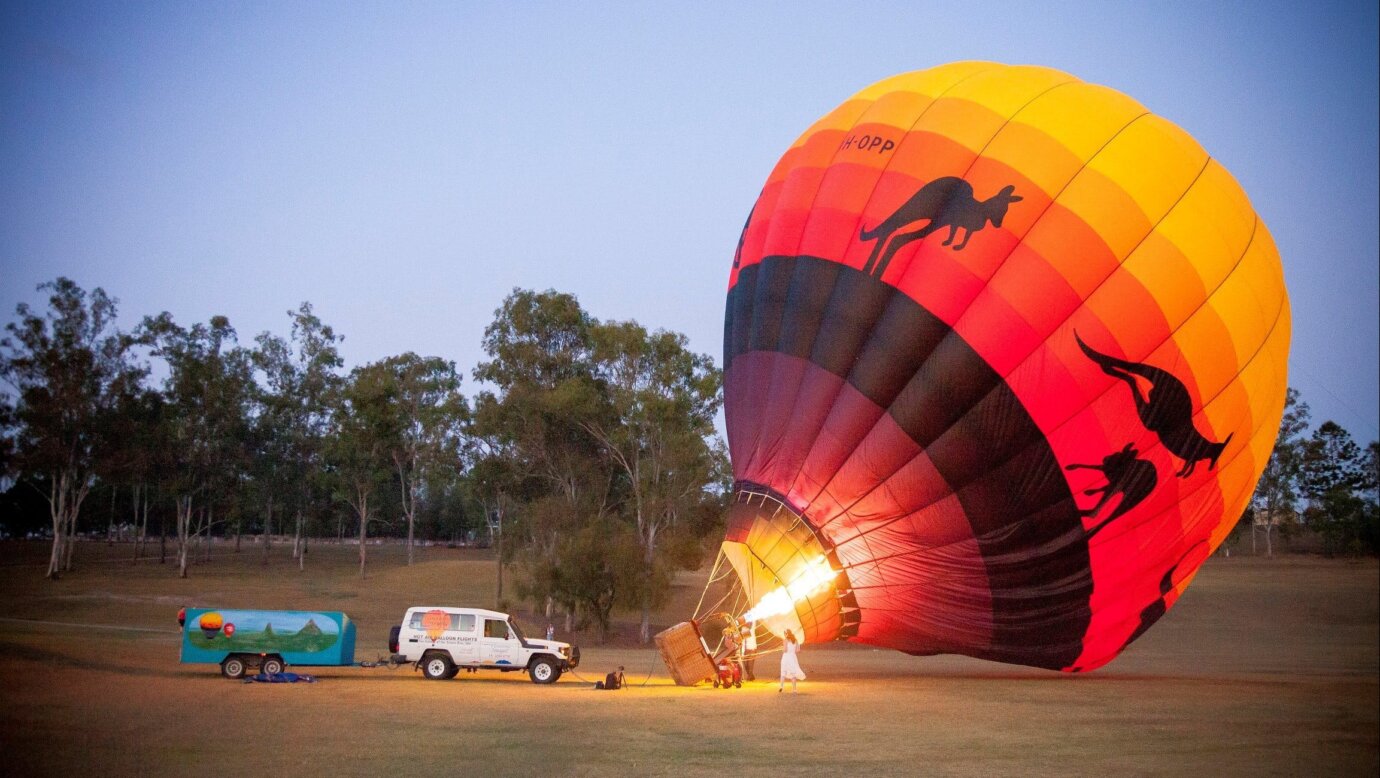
946, 202
1167, 410
1127, 475
1152, 612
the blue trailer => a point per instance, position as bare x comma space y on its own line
269, 641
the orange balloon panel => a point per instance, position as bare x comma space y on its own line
1010, 351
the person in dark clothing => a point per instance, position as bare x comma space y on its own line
613, 680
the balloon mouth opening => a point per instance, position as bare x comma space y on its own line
789, 574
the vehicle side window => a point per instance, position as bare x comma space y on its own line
456, 621
466, 622
495, 629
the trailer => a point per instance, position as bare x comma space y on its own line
266, 641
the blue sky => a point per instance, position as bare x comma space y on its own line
403, 166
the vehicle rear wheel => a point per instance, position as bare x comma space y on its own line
232, 667
438, 667
544, 671
271, 665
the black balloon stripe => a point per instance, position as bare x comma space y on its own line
948, 400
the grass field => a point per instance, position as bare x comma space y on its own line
1265, 667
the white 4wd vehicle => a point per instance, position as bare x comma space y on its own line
442, 641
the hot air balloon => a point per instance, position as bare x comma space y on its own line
436, 622
229, 630
210, 624
1005, 355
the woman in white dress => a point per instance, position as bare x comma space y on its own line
790, 664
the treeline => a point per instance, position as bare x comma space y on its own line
590, 458
1322, 482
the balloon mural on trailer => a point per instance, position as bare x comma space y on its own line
1005, 355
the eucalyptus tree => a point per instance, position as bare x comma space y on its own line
208, 393
1277, 492
275, 464
70, 369
660, 435
555, 477
364, 434
1334, 478
316, 384
428, 417
140, 457
494, 481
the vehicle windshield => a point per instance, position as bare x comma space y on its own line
513, 625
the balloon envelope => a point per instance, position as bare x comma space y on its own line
1009, 351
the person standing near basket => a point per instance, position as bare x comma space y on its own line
747, 650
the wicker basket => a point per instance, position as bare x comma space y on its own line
684, 654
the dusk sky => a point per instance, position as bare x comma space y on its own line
404, 166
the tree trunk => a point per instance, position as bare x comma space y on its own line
297, 536
57, 504
268, 529
70, 545
409, 539
1269, 547
184, 522
363, 529
144, 511
644, 633
110, 532
302, 557
498, 595
210, 524
644, 630
138, 534
408, 505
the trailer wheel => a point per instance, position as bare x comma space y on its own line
544, 671
438, 667
271, 665
233, 667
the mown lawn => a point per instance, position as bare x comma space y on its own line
1263, 668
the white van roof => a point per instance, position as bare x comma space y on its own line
456, 609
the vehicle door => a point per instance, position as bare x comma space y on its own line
497, 645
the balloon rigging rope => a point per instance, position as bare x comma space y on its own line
713, 578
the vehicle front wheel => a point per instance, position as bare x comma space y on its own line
232, 667
438, 667
271, 665
544, 671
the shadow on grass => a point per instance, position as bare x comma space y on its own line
10, 650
